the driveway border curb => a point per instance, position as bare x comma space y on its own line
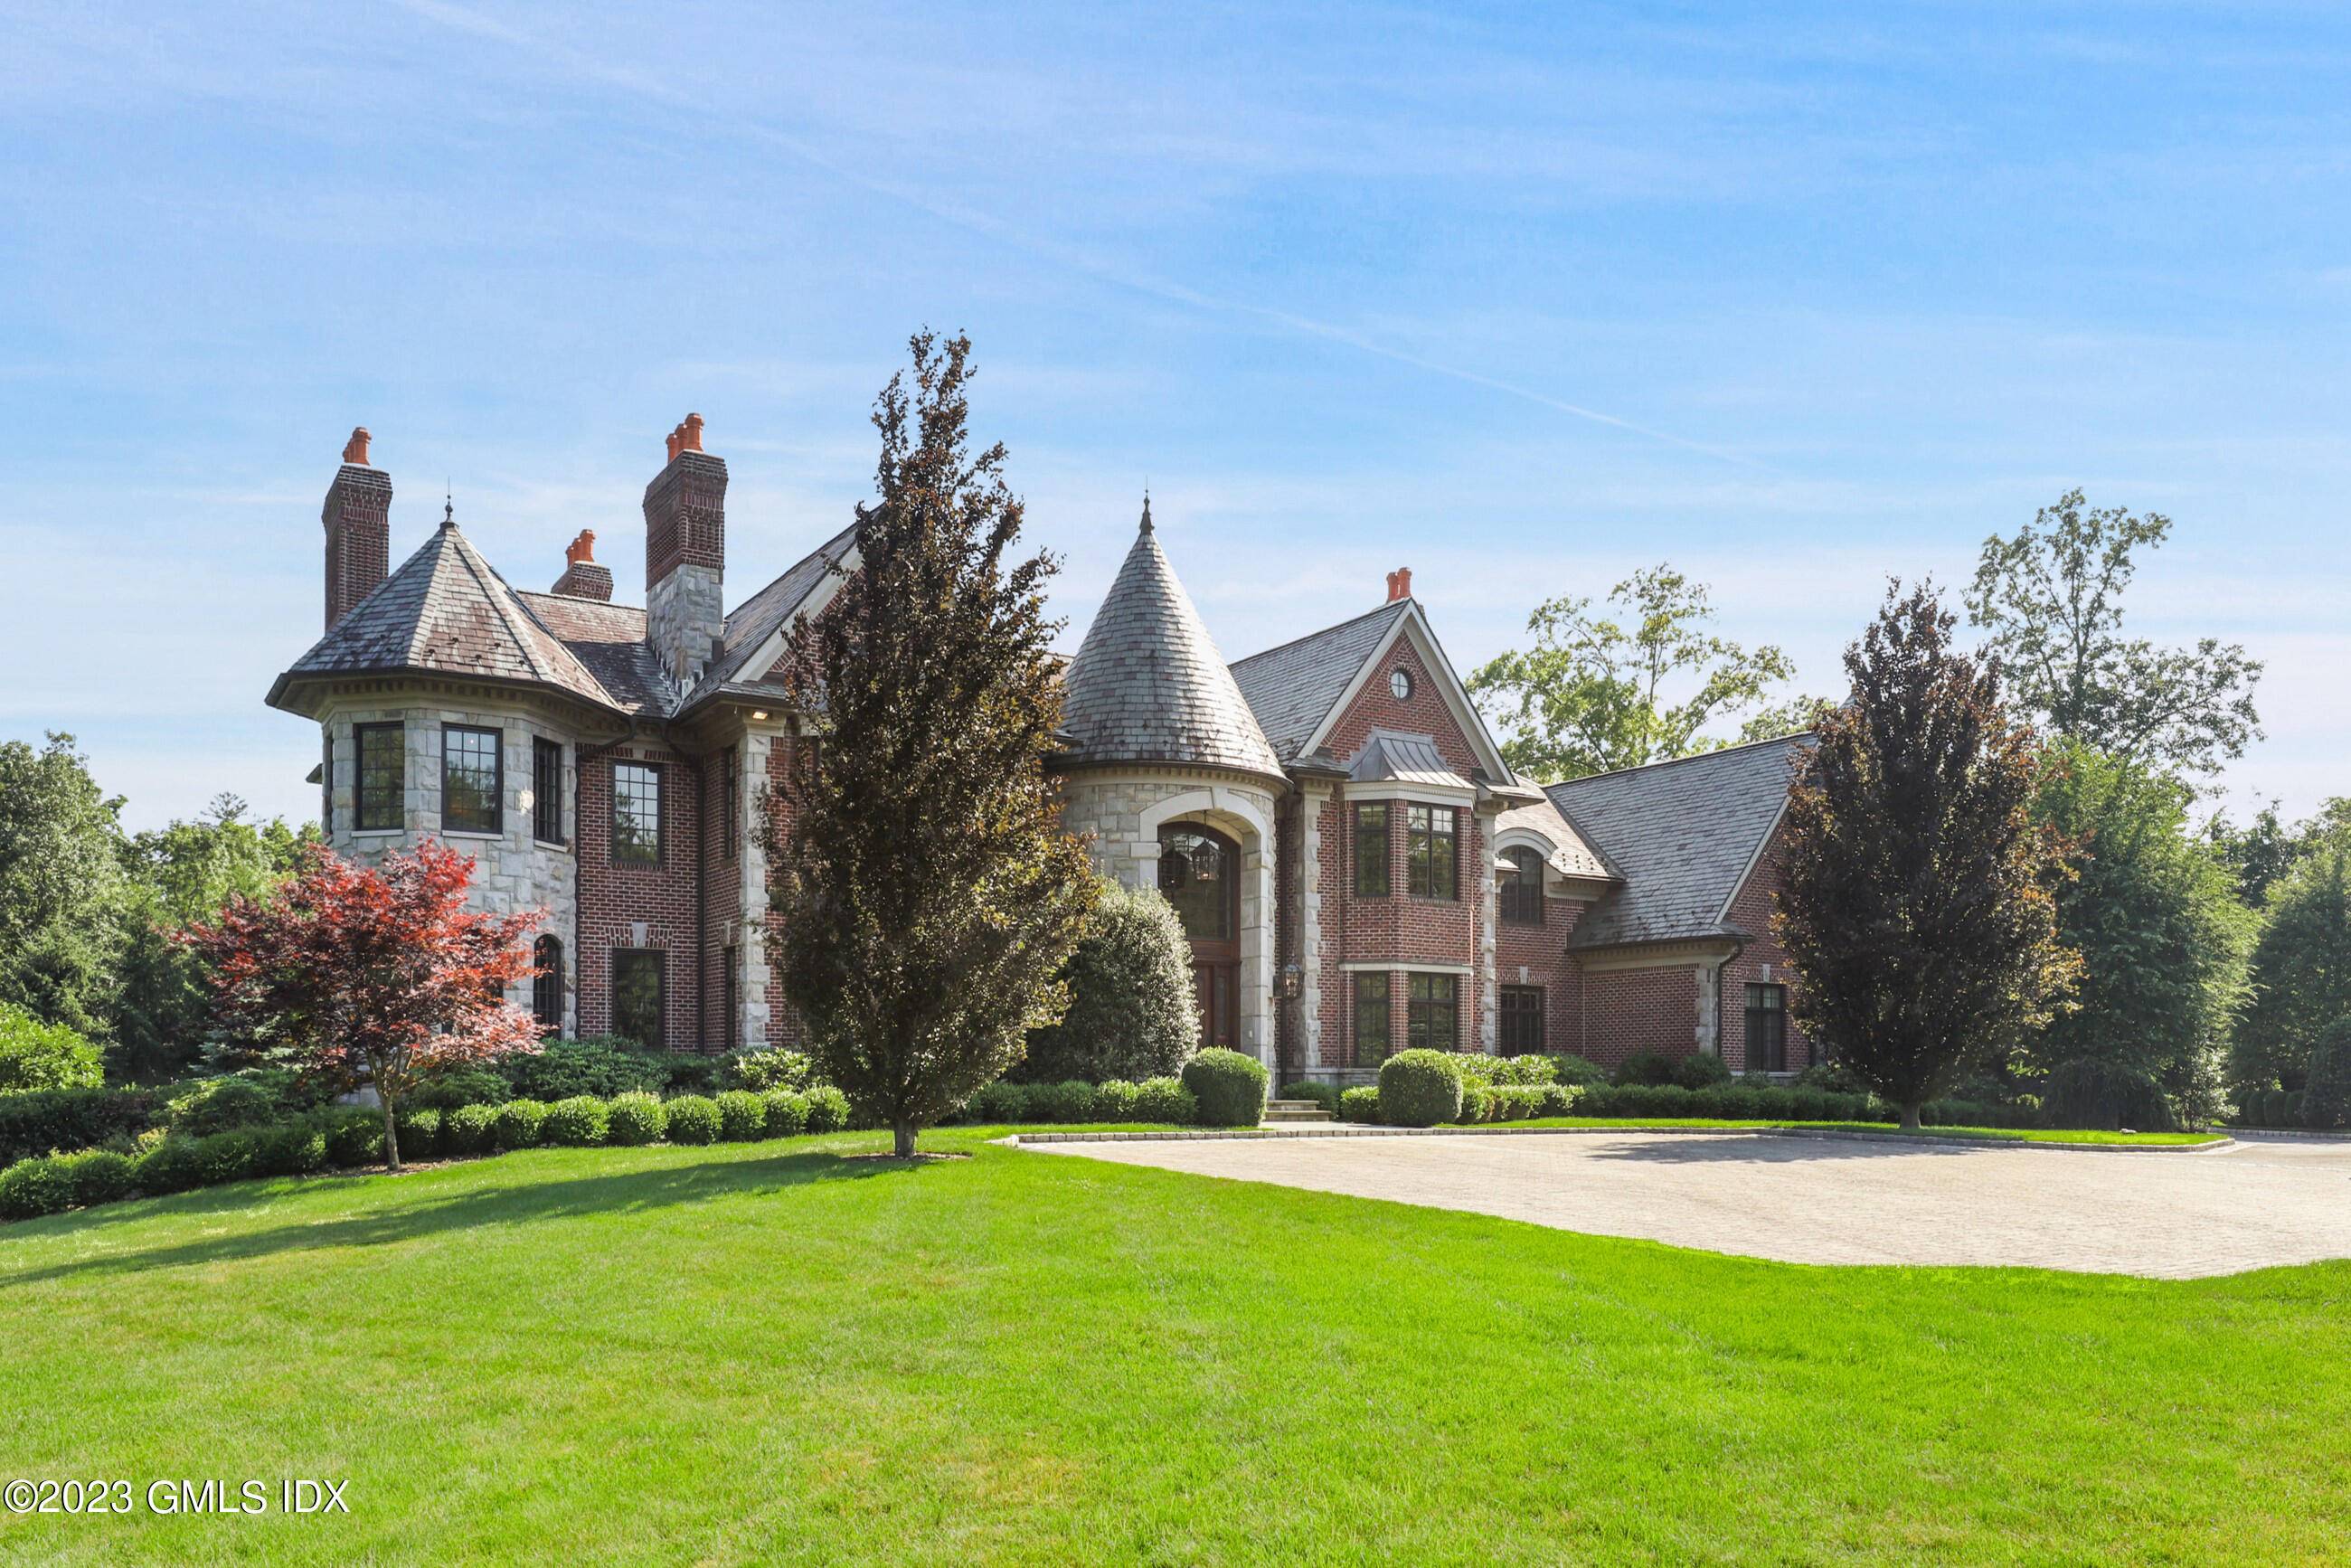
1359, 1130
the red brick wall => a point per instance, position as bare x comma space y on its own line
1399, 928
611, 898
1752, 911
1627, 1011
1541, 952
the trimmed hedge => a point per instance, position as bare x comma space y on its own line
1166, 1100
742, 1116
1643, 1070
1360, 1104
787, 1113
1420, 1089
580, 1122
635, 1118
693, 1119
1229, 1087
828, 1109
55, 1121
470, 1130
518, 1125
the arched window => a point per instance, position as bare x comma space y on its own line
546, 989
1199, 872
1518, 879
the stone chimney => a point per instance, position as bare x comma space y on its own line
358, 518
686, 555
1400, 584
582, 578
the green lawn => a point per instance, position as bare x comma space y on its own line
765, 1352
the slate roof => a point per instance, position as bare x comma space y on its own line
1682, 835
1572, 854
447, 611
1293, 688
609, 640
758, 618
1147, 684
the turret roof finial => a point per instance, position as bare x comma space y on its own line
449, 506
1146, 508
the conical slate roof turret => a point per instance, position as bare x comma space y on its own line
1148, 685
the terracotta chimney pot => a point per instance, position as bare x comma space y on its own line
355, 450
1400, 584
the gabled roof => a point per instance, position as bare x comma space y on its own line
609, 639
446, 612
1147, 684
1291, 689
758, 619
1684, 834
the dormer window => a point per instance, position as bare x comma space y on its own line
1517, 884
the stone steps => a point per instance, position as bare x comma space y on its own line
1295, 1113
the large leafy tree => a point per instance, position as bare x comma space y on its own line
2265, 849
61, 886
2051, 602
1595, 692
2154, 915
1919, 910
179, 876
2302, 969
927, 896
376, 976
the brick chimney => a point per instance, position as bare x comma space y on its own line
582, 578
1400, 584
358, 518
686, 555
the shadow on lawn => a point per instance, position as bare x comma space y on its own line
633, 1192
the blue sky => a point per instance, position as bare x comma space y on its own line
1792, 297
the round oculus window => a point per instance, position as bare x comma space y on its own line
1400, 683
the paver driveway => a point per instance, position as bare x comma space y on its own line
1817, 1200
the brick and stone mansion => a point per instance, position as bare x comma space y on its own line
1357, 868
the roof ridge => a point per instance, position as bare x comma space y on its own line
1670, 761
1310, 636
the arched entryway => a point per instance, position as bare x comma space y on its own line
1200, 876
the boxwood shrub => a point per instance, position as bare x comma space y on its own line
470, 1130
1359, 1104
294, 1148
1701, 1070
1228, 1086
693, 1119
30, 1188
99, 1176
518, 1125
1072, 1100
600, 1065
1166, 1100
1116, 1101
828, 1109
742, 1116
1420, 1089
635, 1118
788, 1112
354, 1135
420, 1132
580, 1122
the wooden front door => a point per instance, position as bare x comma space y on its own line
1199, 873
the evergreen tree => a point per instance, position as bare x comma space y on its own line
927, 896
1132, 1014
1918, 910
61, 886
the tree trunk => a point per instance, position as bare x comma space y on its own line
904, 1133
1911, 1115
390, 1133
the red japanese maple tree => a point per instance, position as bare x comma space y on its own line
376, 976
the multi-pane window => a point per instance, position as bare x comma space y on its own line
1199, 874
546, 791
1371, 849
1431, 853
1519, 883
1370, 1019
636, 814
546, 983
1432, 1006
637, 995
731, 844
1521, 1020
1767, 1029
473, 778
382, 776
326, 790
